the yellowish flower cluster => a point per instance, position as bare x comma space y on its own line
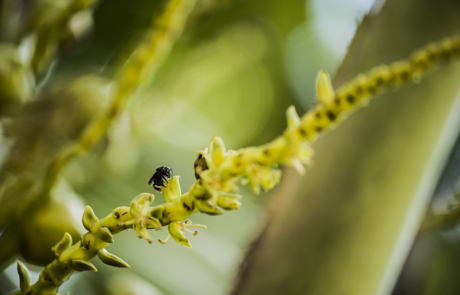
219, 172
332, 106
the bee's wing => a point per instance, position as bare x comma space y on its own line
151, 179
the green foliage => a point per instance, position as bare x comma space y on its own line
219, 171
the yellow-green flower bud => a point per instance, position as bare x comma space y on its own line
89, 218
207, 207
265, 177
115, 222
326, 92
65, 243
105, 235
24, 277
199, 192
293, 119
82, 265
167, 194
174, 185
172, 190
229, 201
217, 150
110, 259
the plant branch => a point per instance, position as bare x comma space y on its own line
219, 171
50, 34
348, 220
150, 52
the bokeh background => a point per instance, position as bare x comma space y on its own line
236, 68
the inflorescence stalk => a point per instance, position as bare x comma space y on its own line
219, 171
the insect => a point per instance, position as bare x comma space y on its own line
161, 175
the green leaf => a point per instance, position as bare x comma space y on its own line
110, 259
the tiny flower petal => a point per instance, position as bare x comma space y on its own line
217, 150
208, 208
174, 185
176, 233
326, 92
229, 201
292, 117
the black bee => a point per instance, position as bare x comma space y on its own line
161, 175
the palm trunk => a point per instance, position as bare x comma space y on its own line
347, 225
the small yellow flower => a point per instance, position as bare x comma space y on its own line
176, 230
217, 150
142, 220
229, 201
172, 189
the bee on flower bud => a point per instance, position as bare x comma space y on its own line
161, 175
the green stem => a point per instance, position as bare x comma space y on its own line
223, 170
77, 256
156, 45
292, 148
50, 35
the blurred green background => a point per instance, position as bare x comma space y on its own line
236, 68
